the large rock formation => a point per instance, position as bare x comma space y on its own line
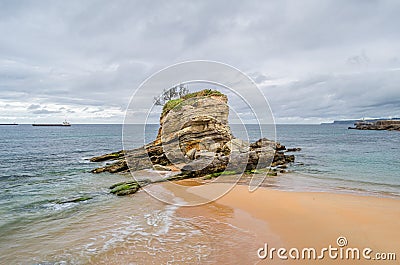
195, 137
390, 125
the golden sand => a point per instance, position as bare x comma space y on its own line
305, 219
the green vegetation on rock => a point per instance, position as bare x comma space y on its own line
110, 156
204, 93
268, 171
217, 174
126, 188
173, 103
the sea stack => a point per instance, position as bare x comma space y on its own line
194, 136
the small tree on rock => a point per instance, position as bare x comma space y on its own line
172, 93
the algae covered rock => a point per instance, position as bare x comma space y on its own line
126, 188
76, 199
110, 156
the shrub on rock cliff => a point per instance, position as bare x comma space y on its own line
171, 104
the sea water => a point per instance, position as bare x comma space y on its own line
42, 166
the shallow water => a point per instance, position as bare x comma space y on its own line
137, 230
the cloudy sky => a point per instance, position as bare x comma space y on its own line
314, 60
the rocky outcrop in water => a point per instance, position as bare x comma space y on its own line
195, 137
389, 125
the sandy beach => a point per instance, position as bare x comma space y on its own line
302, 220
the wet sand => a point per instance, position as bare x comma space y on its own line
303, 219
139, 229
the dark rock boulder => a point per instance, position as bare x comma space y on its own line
126, 188
110, 156
293, 149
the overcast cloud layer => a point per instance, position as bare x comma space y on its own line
314, 60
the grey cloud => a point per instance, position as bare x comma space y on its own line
34, 106
370, 94
45, 111
361, 59
95, 53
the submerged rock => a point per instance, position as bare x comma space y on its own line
118, 166
110, 156
293, 149
77, 199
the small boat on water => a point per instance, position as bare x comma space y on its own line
65, 123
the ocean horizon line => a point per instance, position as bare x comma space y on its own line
159, 124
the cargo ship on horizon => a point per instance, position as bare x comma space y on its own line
8, 124
65, 123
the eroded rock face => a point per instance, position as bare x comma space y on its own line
196, 124
195, 137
